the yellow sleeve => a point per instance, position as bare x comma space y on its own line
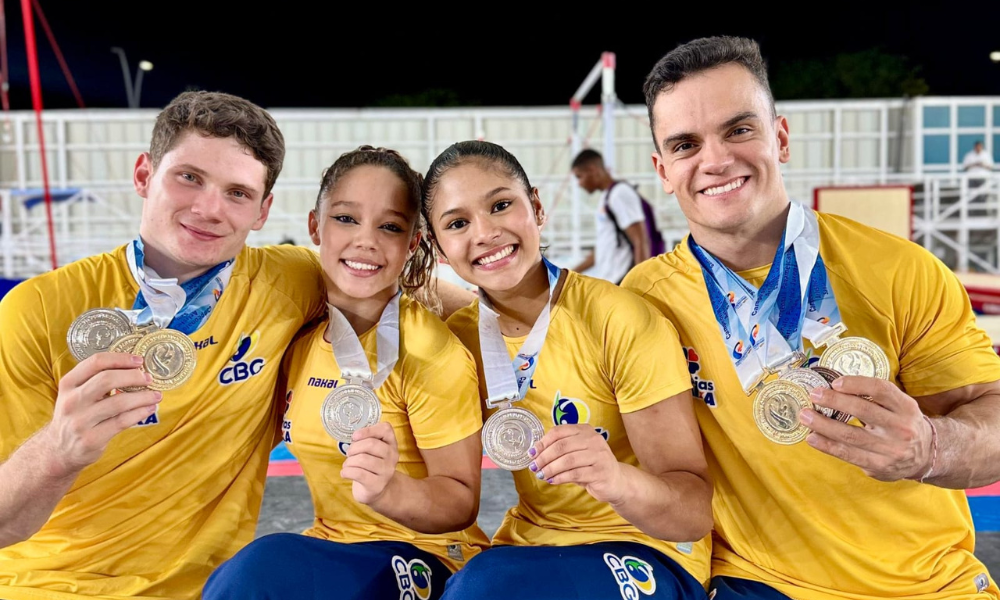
643, 354
296, 272
442, 393
27, 388
941, 347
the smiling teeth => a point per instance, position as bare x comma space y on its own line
495, 257
722, 189
361, 266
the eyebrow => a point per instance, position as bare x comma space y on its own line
204, 173
352, 204
683, 137
486, 196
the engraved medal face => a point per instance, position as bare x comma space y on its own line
856, 356
507, 436
828, 374
168, 356
776, 411
348, 408
95, 330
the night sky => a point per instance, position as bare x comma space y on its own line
298, 54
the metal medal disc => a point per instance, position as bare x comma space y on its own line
95, 330
349, 408
828, 374
807, 378
508, 435
856, 356
127, 344
168, 356
776, 411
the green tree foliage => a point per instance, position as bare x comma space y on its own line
434, 97
871, 73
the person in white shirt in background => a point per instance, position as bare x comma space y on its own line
977, 162
613, 254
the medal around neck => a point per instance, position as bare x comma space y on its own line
355, 405
508, 435
510, 432
350, 407
95, 331
776, 411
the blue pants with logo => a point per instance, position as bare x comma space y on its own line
612, 570
289, 566
732, 588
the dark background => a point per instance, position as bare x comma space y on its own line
337, 54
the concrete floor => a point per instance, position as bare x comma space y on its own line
287, 507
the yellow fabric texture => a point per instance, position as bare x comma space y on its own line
174, 497
808, 524
605, 354
431, 400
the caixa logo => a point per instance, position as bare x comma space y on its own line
240, 366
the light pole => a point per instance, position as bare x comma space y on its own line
132, 93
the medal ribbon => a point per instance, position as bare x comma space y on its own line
350, 354
506, 380
162, 301
763, 329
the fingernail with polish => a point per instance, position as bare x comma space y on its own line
540, 475
550, 479
532, 452
532, 467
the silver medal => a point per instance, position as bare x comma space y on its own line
95, 330
348, 408
507, 436
807, 378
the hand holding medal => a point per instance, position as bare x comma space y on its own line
578, 454
371, 462
896, 441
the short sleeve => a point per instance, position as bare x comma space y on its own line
624, 202
643, 354
28, 390
942, 348
442, 393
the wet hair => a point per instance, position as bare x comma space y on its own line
219, 115
418, 271
485, 154
587, 157
701, 55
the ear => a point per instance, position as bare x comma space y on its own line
781, 129
661, 172
142, 174
433, 242
536, 206
265, 210
314, 227
414, 242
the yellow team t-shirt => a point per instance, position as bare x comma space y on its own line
808, 524
431, 400
606, 353
176, 495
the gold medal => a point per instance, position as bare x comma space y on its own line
776, 411
168, 356
852, 355
856, 356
